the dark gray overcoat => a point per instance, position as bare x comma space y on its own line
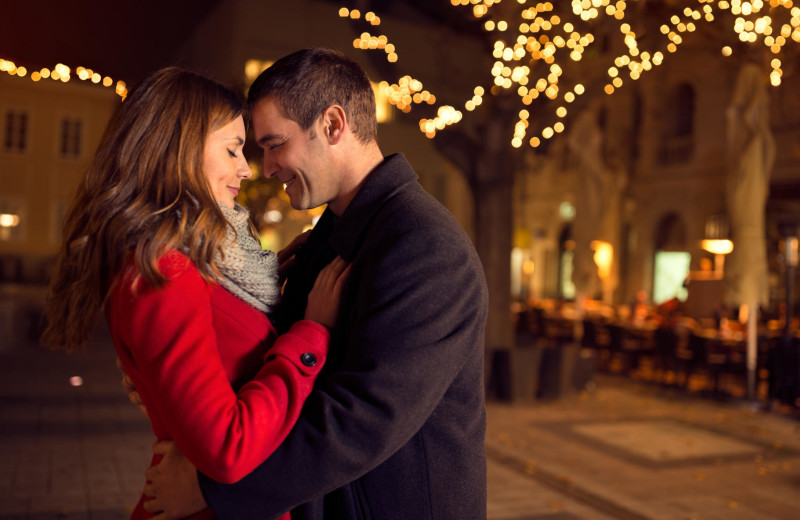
395, 426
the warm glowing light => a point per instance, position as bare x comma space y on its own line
60, 72
9, 220
252, 68
603, 257
528, 37
717, 246
76, 381
528, 267
382, 102
273, 216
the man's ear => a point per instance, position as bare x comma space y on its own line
334, 123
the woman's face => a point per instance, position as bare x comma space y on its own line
224, 163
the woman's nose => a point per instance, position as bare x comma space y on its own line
244, 169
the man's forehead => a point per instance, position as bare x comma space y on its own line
270, 107
269, 121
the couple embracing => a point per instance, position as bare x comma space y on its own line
356, 392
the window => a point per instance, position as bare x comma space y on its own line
671, 271
15, 131
671, 259
682, 121
566, 287
677, 141
671, 233
70, 141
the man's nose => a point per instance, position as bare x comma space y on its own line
268, 168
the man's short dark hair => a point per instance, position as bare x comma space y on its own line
307, 82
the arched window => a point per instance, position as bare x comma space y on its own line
671, 233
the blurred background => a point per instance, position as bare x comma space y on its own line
628, 171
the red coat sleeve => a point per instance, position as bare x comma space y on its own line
172, 350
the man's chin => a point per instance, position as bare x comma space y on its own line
297, 204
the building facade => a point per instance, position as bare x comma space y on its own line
48, 133
664, 163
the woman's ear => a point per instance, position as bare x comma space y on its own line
334, 123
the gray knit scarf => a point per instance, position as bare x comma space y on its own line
248, 272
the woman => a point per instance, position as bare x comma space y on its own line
155, 236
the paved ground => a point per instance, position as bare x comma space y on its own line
625, 450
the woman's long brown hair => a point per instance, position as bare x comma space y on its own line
144, 193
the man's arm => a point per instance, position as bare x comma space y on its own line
419, 307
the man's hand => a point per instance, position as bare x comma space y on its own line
172, 485
130, 389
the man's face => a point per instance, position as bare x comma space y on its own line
296, 157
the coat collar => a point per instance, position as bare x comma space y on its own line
387, 179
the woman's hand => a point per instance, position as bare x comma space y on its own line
324, 298
286, 256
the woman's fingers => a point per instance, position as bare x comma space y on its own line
325, 296
342, 278
332, 273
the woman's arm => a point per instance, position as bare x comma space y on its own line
172, 356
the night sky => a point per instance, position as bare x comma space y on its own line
120, 39
130, 38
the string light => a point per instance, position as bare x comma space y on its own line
64, 74
532, 52
368, 41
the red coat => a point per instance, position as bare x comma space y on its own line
188, 345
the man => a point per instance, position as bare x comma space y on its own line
395, 426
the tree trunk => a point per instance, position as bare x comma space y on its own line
489, 164
493, 243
